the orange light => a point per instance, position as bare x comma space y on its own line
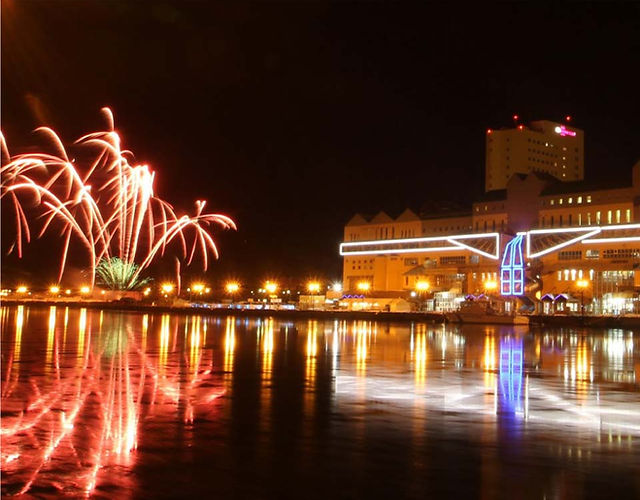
568, 118
22, 289
364, 286
271, 287
489, 131
490, 285
85, 290
422, 286
232, 287
520, 127
313, 286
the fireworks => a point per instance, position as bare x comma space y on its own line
107, 204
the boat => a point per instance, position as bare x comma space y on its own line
482, 311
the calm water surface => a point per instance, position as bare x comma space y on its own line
119, 405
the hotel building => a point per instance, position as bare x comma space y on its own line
540, 146
567, 241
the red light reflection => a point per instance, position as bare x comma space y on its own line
86, 412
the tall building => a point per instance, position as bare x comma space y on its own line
541, 146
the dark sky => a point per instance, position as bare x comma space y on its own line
292, 117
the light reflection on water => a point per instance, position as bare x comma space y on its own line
95, 400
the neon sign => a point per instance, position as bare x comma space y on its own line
563, 131
512, 268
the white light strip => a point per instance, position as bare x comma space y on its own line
621, 226
613, 240
566, 230
481, 252
479, 235
419, 240
402, 250
557, 247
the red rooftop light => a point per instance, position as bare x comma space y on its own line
489, 131
568, 118
520, 127
515, 117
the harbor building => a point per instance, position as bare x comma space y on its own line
578, 245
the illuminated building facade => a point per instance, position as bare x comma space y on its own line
541, 146
565, 232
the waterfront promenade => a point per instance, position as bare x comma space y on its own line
218, 309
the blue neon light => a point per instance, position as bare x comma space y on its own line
511, 373
512, 268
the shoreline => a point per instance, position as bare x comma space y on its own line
535, 320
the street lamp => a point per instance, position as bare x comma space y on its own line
197, 288
490, 285
313, 287
54, 290
232, 288
271, 289
422, 287
167, 289
582, 284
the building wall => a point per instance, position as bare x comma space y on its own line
610, 267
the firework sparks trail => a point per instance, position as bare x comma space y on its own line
109, 205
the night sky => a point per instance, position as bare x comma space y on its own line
292, 117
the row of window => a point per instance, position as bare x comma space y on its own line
570, 199
493, 226
493, 207
612, 217
453, 259
621, 253
486, 276
573, 274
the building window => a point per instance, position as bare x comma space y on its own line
570, 201
579, 219
570, 255
551, 202
589, 199
579, 200
598, 217
628, 215
453, 259
609, 218
410, 262
593, 254
560, 200
621, 253
588, 218
617, 216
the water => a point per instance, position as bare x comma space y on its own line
119, 405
